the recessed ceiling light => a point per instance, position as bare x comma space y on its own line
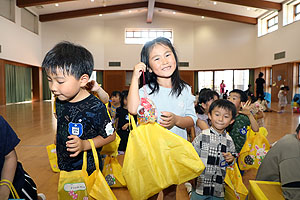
129, 11
100, 15
174, 13
202, 17
56, 4
215, 3
248, 8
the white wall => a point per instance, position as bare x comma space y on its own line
19, 44
223, 44
286, 38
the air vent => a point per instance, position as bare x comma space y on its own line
183, 64
114, 64
279, 55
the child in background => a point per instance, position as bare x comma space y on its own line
257, 111
216, 150
122, 123
80, 115
225, 95
114, 104
244, 118
282, 97
172, 97
11, 169
206, 97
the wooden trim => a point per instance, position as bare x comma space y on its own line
150, 10
207, 13
37, 84
268, 5
91, 11
2, 83
27, 3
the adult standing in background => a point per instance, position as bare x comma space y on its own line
222, 88
260, 83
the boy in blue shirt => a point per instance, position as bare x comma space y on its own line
80, 115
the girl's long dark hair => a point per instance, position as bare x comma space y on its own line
150, 77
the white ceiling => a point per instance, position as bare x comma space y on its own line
203, 4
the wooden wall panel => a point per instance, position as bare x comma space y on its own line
282, 75
188, 77
37, 84
2, 83
114, 80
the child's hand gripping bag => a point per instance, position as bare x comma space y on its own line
156, 158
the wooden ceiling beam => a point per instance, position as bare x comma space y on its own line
150, 10
91, 11
268, 5
28, 3
207, 13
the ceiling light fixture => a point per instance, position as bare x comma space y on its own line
174, 13
202, 17
215, 3
129, 11
92, 0
248, 8
100, 15
56, 4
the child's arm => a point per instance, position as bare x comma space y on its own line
228, 157
201, 124
133, 94
246, 111
168, 120
95, 87
259, 115
76, 145
8, 172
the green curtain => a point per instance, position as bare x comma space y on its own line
18, 83
99, 77
46, 90
251, 78
195, 82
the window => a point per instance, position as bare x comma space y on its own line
297, 12
205, 80
7, 9
29, 20
141, 36
227, 76
241, 79
291, 11
272, 24
268, 23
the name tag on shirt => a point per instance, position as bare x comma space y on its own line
75, 129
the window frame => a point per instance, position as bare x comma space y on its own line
297, 14
274, 24
139, 36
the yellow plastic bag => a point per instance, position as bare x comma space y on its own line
78, 185
254, 149
156, 158
51, 150
112, 171
12, 189
234, 186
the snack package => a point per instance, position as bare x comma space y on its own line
146, 112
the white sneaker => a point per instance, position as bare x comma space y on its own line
42, 196
188, 188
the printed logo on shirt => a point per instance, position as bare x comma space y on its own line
243, 131
75, 129
127, 117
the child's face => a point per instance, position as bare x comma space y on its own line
220, 119
235, 98
162, 61
64, 86
115, 100
208, 103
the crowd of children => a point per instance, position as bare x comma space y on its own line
82, 116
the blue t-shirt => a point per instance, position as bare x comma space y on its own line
183, 105
8, 140
86, 119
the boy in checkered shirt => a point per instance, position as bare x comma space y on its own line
216, 150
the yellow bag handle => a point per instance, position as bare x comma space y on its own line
131, 122
11, 187
95, 155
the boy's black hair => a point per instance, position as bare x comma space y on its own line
243, 95
225, 104
73, 59
116, 93
124, 96
205, 95
260, 74
151, 78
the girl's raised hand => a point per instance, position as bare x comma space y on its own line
138, 69
168, 119
246, 108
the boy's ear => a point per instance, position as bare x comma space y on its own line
84, 79
209, 116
